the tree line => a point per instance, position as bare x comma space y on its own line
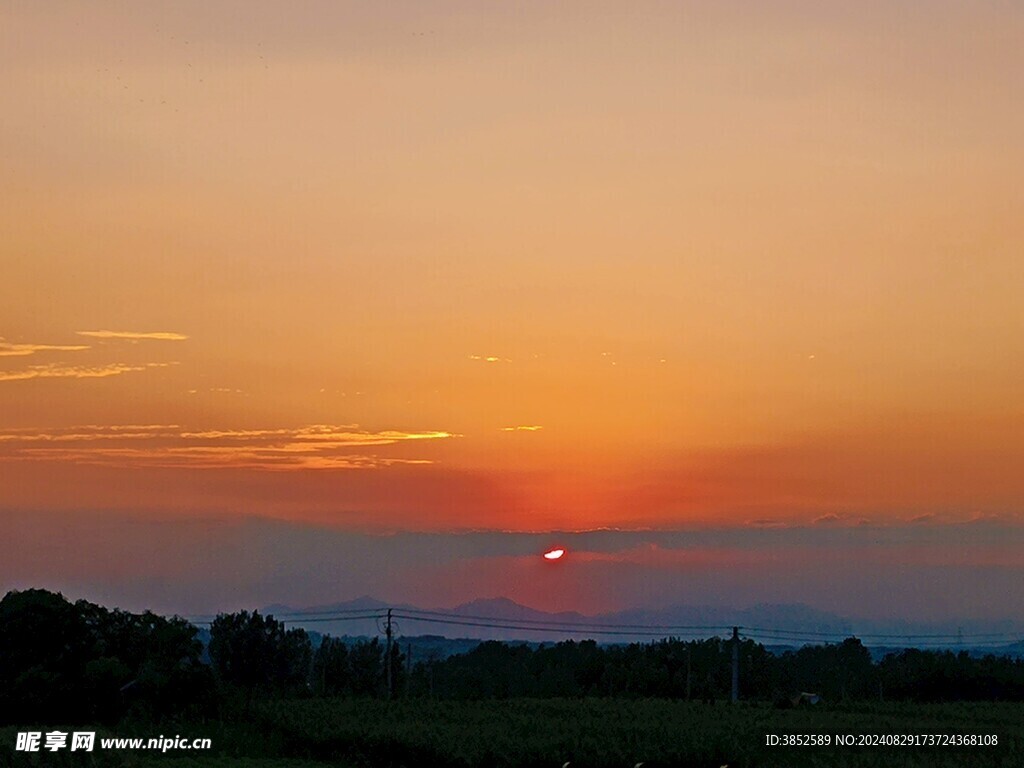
80, 662
702, 670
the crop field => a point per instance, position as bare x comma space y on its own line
607, 733
590, 733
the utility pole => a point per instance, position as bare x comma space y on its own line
431, 657
312, 669
387, 658
688, 648
735, 664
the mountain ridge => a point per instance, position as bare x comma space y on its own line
501, 618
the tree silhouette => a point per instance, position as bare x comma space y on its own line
257, 654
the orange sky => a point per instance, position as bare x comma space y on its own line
450, 265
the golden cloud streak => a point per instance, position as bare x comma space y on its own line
157, 335
58, 371
23, 350
212, 458
311, 447
319, 433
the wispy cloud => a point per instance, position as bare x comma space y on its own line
88, 433
653, 555
524, 428
60, 371
765, 522
157, 335
320, 433
317, 446
489, 359
23, 350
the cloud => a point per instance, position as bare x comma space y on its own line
532, 428
317, 446
213, 457
489, 359
986, 517
652, 555
86, 433
60, 371
157, 335
323, 434
23, 350
826, 519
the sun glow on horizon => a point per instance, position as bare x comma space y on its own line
554, 554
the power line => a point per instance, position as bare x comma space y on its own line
387, 658
300, 614
538, 624
418, 614
562, 628
851, 633
303, 616
303, 620
877, 639
571, 624
649, 630
333, 618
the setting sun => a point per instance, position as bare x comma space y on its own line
554, 554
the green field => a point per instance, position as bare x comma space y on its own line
595, 733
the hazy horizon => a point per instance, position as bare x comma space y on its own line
920, 572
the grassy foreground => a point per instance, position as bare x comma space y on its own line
590, 733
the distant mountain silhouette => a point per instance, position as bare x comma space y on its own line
504, 608
766, 622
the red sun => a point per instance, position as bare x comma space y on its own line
554, 554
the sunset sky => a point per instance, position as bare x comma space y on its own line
340, 270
